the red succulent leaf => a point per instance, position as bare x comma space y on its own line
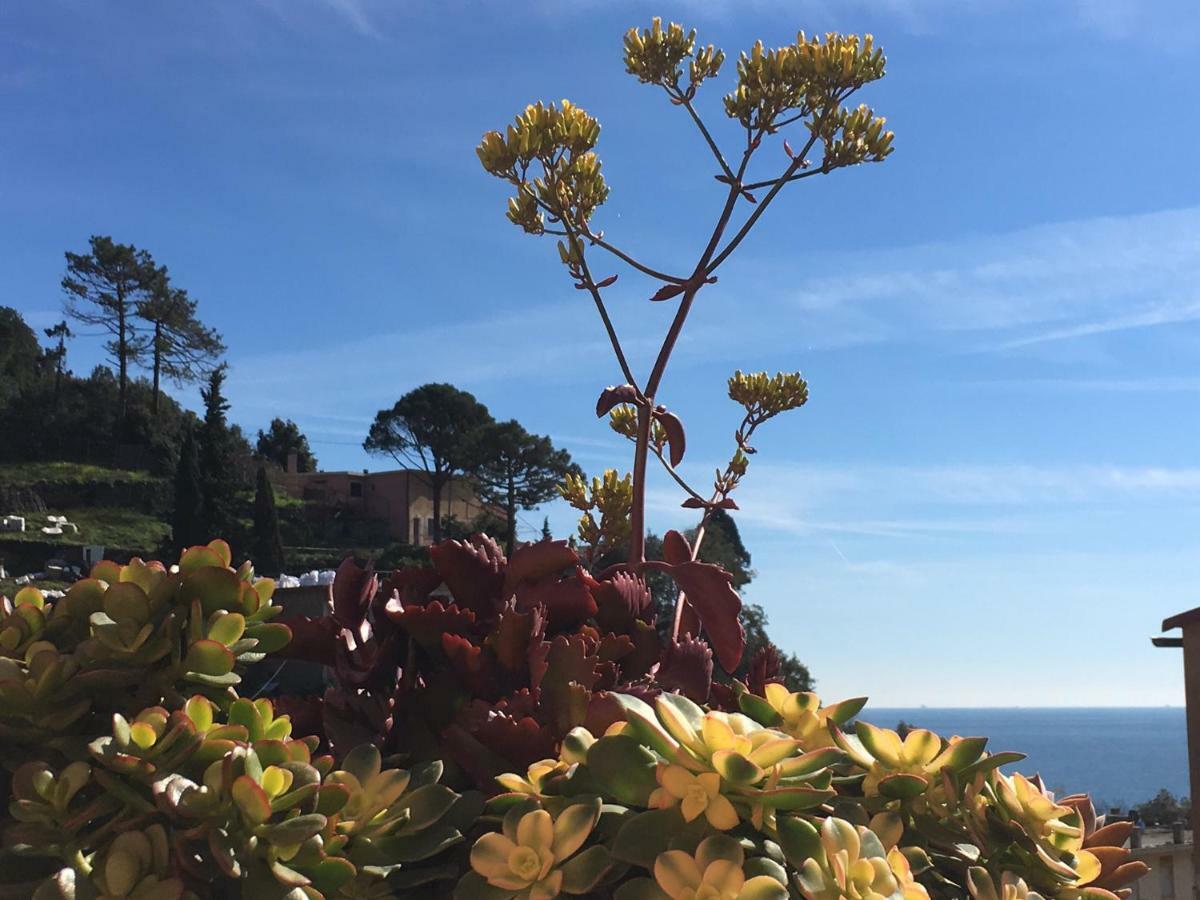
611, 279
727, 503
516, 741
620, 600
614, 395
687, 667
562, 671
689, 621
533, 562
313, 640
693, 503
666, 292
723, 697
763, 669
412, 585
305, 713
567, 601
603, 711
709, 589
647, 647
426, 624
353, 588
473, 571
473, 667
676, 549
676, 440
510, 641
614, 647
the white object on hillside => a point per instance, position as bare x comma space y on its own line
12, 523
52, 529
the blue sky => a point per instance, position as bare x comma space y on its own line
993, 496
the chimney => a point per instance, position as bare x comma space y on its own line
293, 462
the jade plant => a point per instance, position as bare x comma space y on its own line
136, 771
126, 637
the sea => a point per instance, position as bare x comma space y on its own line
1121, 756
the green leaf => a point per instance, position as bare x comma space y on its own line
640, 889
271, 637
472, 886
584, 870
642, 836
623, 768
227, 628
758, 709
207, 657
902, 786
799, 840
293, 831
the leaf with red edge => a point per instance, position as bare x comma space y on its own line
251, 799
666, 292
558, 670
473, 571
676, 440
693, 503
352, 590
426, 624
473, 667
221, 548
615, 395
676, 549
727, 503
535, 561
687, 667
709, 589
510, 640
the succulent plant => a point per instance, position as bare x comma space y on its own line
125, 638
492, 680
230, 798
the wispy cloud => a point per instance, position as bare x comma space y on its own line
1053, 282
943, 502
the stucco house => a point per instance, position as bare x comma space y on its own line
402, 497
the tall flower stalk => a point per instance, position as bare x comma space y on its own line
548, 156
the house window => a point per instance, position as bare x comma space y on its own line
416, 535
356, 489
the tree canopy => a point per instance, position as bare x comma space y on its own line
283, 436
180, 347
103, 288
517, 470
434, 428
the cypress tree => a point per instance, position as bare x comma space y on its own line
217, 477
188, 520
267, 551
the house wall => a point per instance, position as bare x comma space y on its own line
396, 497
1170, 876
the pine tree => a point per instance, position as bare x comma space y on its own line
188, 520
267, 550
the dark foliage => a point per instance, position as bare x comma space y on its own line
266, 547
283, 437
